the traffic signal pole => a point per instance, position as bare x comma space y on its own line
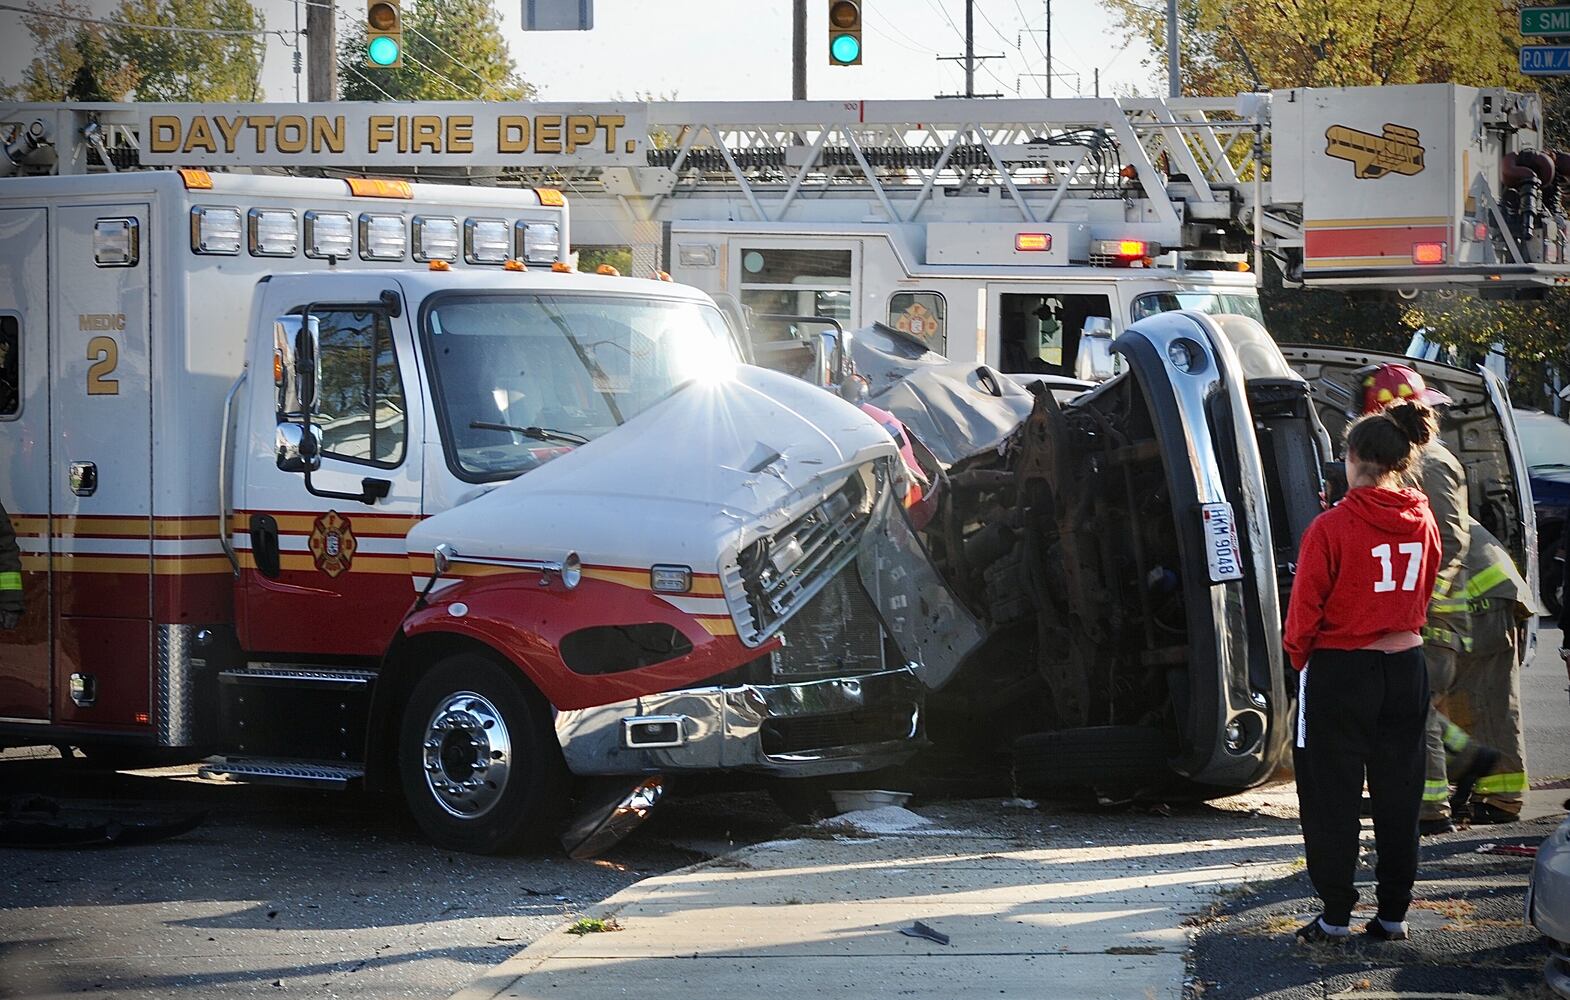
798, 51
321, 50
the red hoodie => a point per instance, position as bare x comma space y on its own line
1366, 568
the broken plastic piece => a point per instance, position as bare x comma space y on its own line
921, 930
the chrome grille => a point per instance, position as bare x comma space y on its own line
778, 574
836, 634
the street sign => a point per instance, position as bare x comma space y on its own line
1545, 21
558, 15
1545, 60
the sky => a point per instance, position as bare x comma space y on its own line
740, 50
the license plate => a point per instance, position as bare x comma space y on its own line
1221, 548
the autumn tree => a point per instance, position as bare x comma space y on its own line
453, 50
79, 57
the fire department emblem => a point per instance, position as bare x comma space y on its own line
332, 543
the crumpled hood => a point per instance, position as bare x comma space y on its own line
695, 475
1395, 511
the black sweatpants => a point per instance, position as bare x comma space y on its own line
1361, 712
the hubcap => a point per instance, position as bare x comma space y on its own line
468, 754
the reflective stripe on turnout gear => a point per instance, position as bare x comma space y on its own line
1436, 791
1513, 782
1445, 637
1486, 579
10, 581
1455, 738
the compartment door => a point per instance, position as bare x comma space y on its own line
24, 454
101, 465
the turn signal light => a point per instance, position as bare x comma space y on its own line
1033, 241
1428, 253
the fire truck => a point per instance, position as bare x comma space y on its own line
339, 480
1000, 231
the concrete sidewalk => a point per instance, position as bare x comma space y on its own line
1032, 908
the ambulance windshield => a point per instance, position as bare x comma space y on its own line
1210, 303
522, 378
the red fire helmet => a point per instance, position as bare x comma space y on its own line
1389, 383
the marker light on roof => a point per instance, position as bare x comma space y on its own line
515, 265
486, 241
1428, 253
561, 267
328, 234
539, 242
607, 269
382, 237
215, 230
435, 238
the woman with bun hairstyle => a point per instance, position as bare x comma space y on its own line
1365, 571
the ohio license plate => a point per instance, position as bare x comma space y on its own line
1221, 548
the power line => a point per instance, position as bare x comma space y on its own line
351, 68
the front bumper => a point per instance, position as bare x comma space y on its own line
818, 727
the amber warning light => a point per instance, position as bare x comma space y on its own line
1033, 241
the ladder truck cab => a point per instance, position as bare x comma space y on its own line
343, 479
1010, 232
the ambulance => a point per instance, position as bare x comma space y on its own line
342, 481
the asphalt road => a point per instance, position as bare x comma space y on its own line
283, 892
1468, 937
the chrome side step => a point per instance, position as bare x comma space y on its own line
292, 674
297, 773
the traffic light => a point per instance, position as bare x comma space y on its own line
844, 33
383, 34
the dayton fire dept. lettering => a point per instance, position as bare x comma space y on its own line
218, 133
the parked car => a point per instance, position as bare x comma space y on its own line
1545, 439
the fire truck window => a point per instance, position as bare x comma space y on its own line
361, 393
1040, 332
10, 366
923, 315
1209, 303
795, 282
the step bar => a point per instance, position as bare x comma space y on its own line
293, 773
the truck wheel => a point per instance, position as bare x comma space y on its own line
479, 763
1118, 760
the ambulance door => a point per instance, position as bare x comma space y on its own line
1033, 328
325, 573
24, 455
101, 458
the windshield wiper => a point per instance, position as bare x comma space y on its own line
537, 433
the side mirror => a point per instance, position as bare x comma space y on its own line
1095, 360
307, 363
296, 450
828, 359
296, 365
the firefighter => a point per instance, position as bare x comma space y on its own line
11, 603
1439, 475
1365, 570
1486, 698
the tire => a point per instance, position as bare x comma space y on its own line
1115, 760
1551, 572
516, 796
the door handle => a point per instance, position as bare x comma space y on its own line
84, 478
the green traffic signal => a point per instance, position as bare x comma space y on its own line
845, 48
383, 51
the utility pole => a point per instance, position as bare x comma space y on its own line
798, 51
1049, 48
1174, 87
321, 45
970, 59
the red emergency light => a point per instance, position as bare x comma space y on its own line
1428, 253
1030, 242
1128, 253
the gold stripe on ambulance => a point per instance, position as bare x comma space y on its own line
1392, 223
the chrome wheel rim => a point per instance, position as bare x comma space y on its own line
467, 755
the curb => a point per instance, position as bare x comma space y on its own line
494, 981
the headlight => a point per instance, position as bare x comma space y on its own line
1186, 356
571, 571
